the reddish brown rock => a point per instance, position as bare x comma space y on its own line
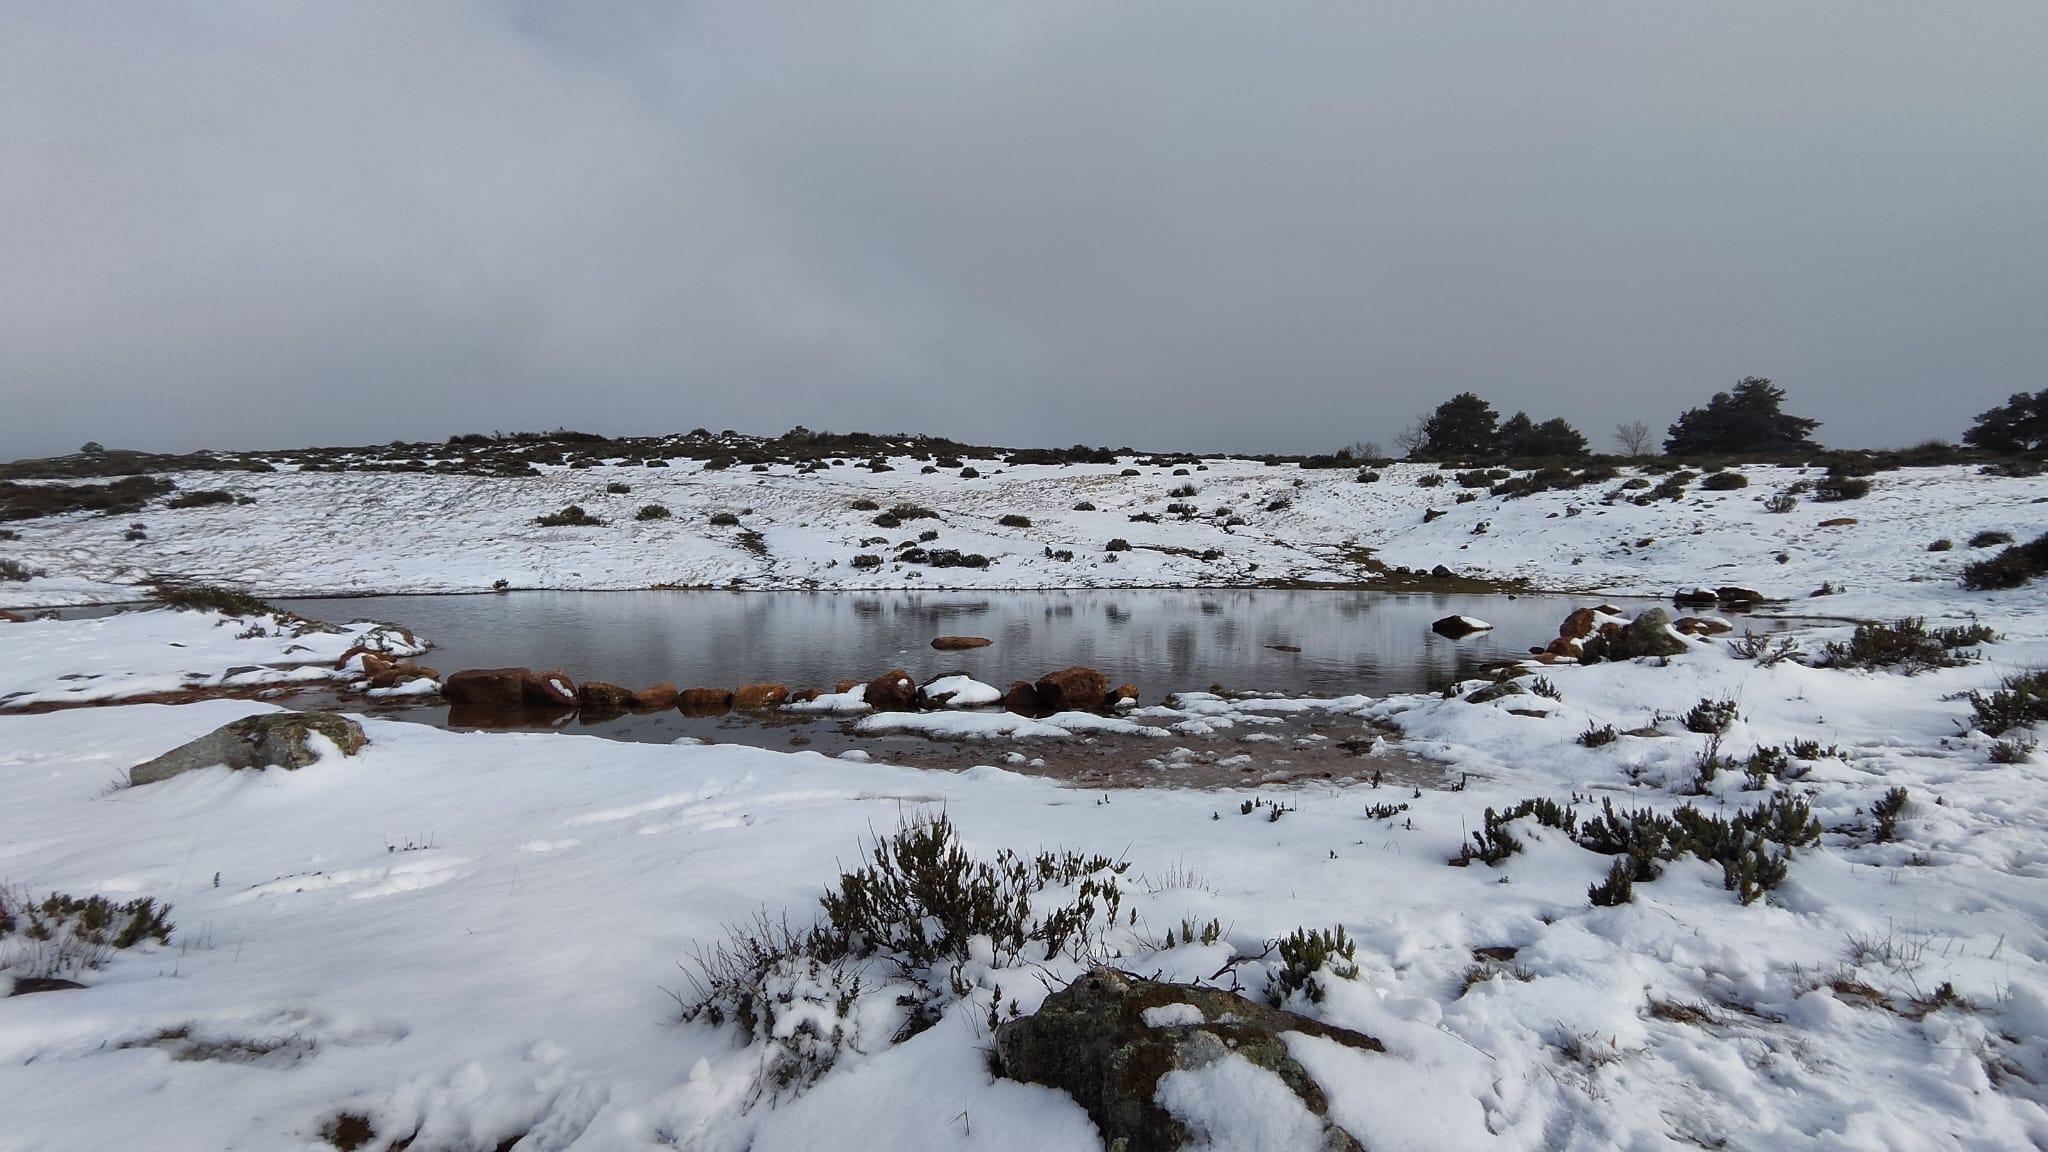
1572, 634
804, 695
1837, 522
551, 689
957, 643
658, 697
892, 691
600, 696
704, 701
1701, 626
750, 697
396, 674
1123, 692
845, 686
1072, 689
1022, 698
500, 689
7, 617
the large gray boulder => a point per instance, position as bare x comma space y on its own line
1108, 1038
1649, 634
275, 738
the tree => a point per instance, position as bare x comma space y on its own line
93, 448
1461, 427
1411, 439
1519, 439
2018, 425
1744, 420
1633, 438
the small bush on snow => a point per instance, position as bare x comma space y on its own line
2021, 700
1711, 717
1907, 644
64, 935
1305, 955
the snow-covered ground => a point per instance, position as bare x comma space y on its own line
373, 532
471, 937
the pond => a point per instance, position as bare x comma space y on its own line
1164, 640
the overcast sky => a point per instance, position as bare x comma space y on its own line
1272, 226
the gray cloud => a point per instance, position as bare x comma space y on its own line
1257, 227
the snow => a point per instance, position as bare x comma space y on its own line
468, 935
965, 691
1172, 1016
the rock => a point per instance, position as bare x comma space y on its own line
1499, 691
1022, 698
1694, 598
1574, 632
752, 697
957, 643
804, 695
598, 696
551, 689
1647, 635
508, 689
704, 701
1734, 596
1123, 692
1430, 514
892, 691
1458, 627
845, 686
1074, 689
656, 698
1837, 522
1443, 573
396, 674
1092, 1041
1702, 625
1284, 647
279, 738
10, 618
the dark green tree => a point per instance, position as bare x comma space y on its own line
1460, 428
2018, 425
1521, 438
1747, 419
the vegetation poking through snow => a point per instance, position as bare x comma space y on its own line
1307, 957
64, 935
573, 516
2021, 700
208, 598
1908, 645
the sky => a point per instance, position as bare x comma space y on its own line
1274, 227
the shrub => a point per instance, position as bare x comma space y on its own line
1753, 848
1671, 487
2020, 700
2011, 568
571, 517
948, 558
1833, 488
1907, 644
1780, 502
865, 505
724, 520
31, 501
206, 598
1711, 717
1015, 521
65, 935
652, 512
970, 474
1128, 472
1119, 544
17, 572
2016, 750
1183, 490
1634, 483
1304, 956
1594, 737
618, 489
9, 534
1988, 538
1279, 504
1368, 476
1429, 480
1887, 811
1724, 482
1184, 511
912, 512
928, 535
1941, 545
1085, 506
1494, 842
867, 560
201, 499
1619, 888
887, 520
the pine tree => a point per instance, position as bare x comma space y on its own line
1747, 419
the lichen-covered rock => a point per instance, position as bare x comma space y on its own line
1108, 1039
1500, 691
1072, 690
1649, 634
276, 738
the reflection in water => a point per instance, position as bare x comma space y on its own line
1164, 640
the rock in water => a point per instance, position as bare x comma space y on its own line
958, 643
1072, 690
256, 742
753, 697
1108, 1038
892, 691
1459, 627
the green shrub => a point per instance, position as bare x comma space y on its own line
63, 935
618, 489
1429, 480
1595, 737
1833, 488
928, 535
1780, 502
1304, 956
1368, 476
652, 512
1941, 545
206, 598
970, 473
1990, 538
913, 512
1119, 544
1182, 490
571, 517
1724, 482
2021, 700
724, 520
1085, 506
887, 520
17, 572
865, 505
2011, 568
1711, 717
1015, 521
1907, 644
126, 495
1887, 811
867, 560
